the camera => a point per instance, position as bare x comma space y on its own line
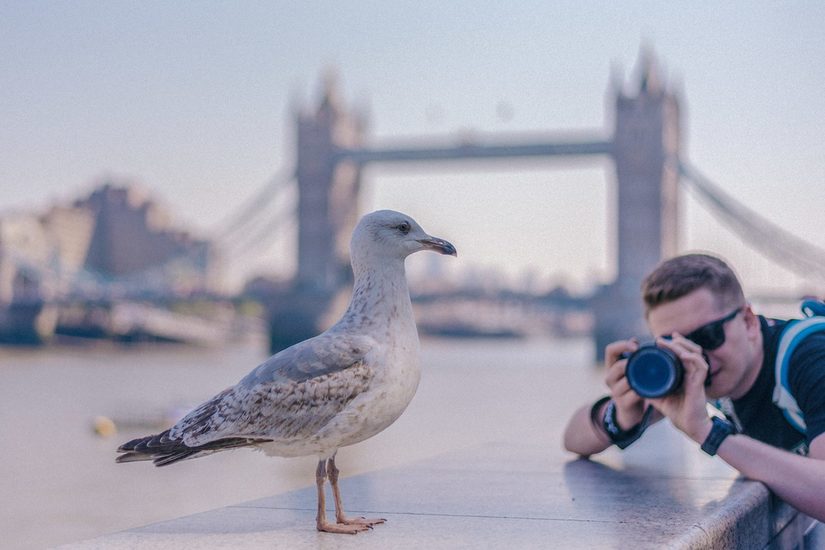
655, 372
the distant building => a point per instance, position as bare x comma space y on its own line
115, 242
134, 243
26, 252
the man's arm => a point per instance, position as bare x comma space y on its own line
582, 436
798, 480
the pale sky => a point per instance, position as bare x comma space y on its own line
192, 100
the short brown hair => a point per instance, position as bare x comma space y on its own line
680, 276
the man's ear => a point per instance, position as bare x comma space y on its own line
751, 320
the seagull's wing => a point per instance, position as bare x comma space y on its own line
290, 396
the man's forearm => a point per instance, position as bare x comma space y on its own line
582, 437
798, 480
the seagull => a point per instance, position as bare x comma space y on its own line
330, 391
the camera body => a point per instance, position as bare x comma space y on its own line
653, 371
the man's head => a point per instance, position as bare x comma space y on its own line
699, 296
679, 276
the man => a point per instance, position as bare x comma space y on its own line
695, 307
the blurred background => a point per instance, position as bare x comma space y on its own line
179, 181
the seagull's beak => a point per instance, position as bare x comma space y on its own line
439, 245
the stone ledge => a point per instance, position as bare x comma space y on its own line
660, 493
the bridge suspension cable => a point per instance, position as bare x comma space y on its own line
247, 213
266, 231
774, 242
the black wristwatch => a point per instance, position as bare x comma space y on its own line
720, 429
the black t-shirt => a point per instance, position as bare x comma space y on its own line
760, 417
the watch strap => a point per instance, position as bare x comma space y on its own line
720, 429
623, 438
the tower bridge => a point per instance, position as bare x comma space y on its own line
332, 152
643, 146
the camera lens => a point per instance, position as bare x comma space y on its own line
654, 372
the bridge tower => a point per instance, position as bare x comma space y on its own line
327, 189
646, 147
328, 186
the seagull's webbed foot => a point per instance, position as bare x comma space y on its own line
326, 527
366, 522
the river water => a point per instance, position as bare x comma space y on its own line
59, 482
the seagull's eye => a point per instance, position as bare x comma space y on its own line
403, 227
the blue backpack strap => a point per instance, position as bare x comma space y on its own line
793, 333
812, 308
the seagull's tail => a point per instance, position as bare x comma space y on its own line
162, 450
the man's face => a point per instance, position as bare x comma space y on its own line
734, 365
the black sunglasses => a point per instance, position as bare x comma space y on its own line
712, 335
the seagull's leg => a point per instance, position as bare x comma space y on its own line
321, 519
340, 517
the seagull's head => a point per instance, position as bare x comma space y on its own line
388, 234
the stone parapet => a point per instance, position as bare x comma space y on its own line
657, 494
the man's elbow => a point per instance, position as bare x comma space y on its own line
572, 443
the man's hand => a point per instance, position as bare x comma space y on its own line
687, 409
629, 406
